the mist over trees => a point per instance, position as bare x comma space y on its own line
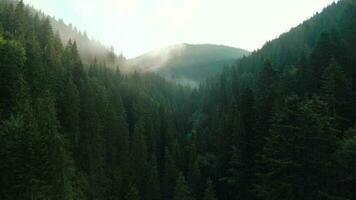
279, 124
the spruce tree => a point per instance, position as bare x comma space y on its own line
153, 182
345, 166
335, 91
297, 158
132, 194
20, 21
320, 58
181, 190
17, 144
12, 60
49, 153
209, 193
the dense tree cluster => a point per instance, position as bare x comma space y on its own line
75, 131
275, 124
280, 124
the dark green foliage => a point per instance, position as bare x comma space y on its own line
12, 59
335, 91
295, 162
279, 124
181, 190
346, 161
209, 193
132, 194
65, 128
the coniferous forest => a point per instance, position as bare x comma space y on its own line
279, 124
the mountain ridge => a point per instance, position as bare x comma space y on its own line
188, 62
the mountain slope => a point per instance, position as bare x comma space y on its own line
89, 48
281, 122
186, 62
287, 49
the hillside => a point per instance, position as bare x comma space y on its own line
89, 48
187, 63
287, 49
279, 124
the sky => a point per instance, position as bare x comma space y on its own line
134, 27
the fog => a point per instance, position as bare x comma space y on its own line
154, 60
136, 26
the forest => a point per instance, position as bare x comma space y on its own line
279, 124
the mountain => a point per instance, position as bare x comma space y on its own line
187, 63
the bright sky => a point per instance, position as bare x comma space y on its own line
137, 26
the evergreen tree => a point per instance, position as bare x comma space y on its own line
345, 166
20, 21
209, 193
296, 161
335, 91
267, 90
181, 191
153, 184
132, 193
34, 66
12, 59
138, 155
320, 58
49, 153
16, 150
169, 175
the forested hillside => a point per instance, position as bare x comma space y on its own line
187, 64
75, 131
89, 48
279, 124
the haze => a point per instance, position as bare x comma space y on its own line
134, 27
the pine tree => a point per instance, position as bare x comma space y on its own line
132, 194
138, 155
12, 59
69, 105
16, 150
170, 172
181, 191
153, 184
297, 158
320, 58
304, 77
335, 91
209, 193
194, 176
34, 71
267, 90
20, 21
45, 34
345, 166
49, 153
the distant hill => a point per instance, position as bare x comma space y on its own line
187, 63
